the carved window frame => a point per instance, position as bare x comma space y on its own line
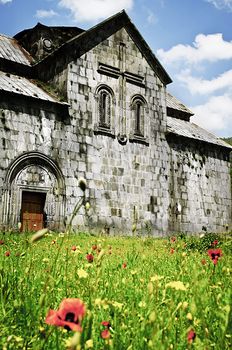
139, 112
105, 110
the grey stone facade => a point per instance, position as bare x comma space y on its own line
97, 108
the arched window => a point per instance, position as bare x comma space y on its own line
104, 107
138, 110
138, 118
104, 117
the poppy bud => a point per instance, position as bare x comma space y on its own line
89, 257
105, 334
191, 336
82, 184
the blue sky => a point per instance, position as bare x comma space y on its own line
191, 38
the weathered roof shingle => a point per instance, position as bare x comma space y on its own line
10, 50
22, 86
193, 131
174, 103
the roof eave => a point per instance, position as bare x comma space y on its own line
12, 67
60, 109
228, 147
79, 45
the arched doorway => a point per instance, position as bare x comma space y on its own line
35, 193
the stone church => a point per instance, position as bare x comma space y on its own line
93, 104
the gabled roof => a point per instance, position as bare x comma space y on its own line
29, 38
85, 41
11, 50
192, 131
57, 29
174, 103
15, 84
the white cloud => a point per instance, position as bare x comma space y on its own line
215, 114
4, 1
45, 13
221, 4
151, 18
210, 48
91, 10
203, 86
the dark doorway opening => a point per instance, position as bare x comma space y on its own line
32, 211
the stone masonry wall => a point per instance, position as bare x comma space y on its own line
199, 186
127, 182
159, 182
24, 129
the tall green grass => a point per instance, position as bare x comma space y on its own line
162, 291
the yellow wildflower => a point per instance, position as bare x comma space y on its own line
87, 206
156, 278
73, 342
189, 316
152, 316
150, 288
89, 344
117, 305
82, 273
98, 302
177, 285
142, 304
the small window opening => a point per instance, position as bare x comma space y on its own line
138, 118
104, 109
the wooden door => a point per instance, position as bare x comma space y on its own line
33, 210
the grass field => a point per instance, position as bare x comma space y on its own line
149, 293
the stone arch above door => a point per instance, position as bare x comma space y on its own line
36, 174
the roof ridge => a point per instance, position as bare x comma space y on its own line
6, 36
119, 20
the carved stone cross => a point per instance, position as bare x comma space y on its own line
124, 77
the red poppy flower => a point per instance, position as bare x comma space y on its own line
215, 243
7, 253
191, 336
69, 315
89, 257
124, 265
172, 251
106, 324
94, 247
214, 255
173, 239
1, 242
74, 248
105, 334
